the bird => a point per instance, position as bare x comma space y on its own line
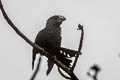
50, 38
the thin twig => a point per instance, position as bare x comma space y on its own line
37, 69
80, 27
57, 62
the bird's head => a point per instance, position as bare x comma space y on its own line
56, 20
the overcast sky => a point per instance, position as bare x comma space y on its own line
101, 41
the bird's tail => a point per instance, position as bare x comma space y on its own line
50, 66
60, 57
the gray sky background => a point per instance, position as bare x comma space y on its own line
101, 42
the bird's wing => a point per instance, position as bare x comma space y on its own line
34, 51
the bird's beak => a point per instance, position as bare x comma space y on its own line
62, 18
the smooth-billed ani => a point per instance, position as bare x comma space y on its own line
50, 39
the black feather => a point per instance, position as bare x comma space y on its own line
50, 39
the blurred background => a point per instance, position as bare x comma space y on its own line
101, 40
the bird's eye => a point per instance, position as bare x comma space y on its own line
59, 20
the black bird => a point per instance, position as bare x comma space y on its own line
50, 39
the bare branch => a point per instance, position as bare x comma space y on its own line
63, 74
37, 69
80, 27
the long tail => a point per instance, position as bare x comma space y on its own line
60, 57
50, 66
